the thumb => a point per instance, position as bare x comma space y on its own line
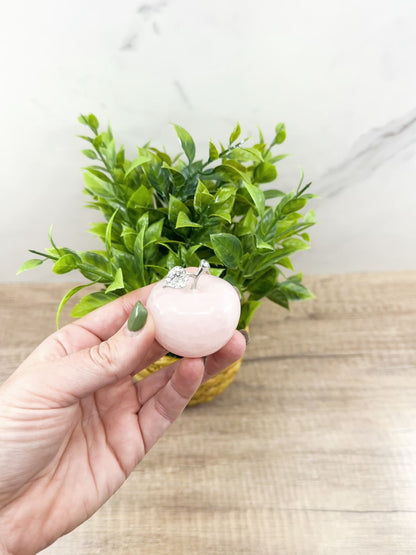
68, 379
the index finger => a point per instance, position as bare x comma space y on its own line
105, 321
97, 326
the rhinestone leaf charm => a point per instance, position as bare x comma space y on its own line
177, 278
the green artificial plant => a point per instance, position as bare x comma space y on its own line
162, 211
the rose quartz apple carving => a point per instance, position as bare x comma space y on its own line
194, 314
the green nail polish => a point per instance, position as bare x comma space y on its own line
137, 318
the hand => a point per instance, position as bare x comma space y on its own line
73, 425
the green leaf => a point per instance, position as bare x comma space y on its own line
225, 193
278, 296
230, 166
263, 245
186, 141
90, 302
52, 253
261, 136
88, 139
265, 173
175, 176
222, 213
89, 120
280, 136
227, 248
293, 206
224, 202
286, 263
97, 186
52, 241
108, 237
183, 220
29, 264
98, 229
142, 198
296, 277
257, 196
98, 172
282, 203
129, 236
95, 264
248, 309
83, 119
235, 133
273, 193
246, 154
66, 298
99, 141
202, 198
262, 284
153, 232
93, 122
172, 260
302, 177
190, 257
289, 226
277, 158
89, 153
120, 159
142, 226
295, 291
65, 264
117, 283
295, 244
109, 151
213, 152
310, 217
247, 225
139, 161
176, 206
217, 272
163, 156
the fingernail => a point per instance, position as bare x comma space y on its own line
137, 318
246, 335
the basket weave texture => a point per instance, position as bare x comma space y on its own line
207, 391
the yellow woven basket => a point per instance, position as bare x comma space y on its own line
208, 390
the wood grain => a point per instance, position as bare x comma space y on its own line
311, 451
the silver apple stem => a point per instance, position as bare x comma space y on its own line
203, 268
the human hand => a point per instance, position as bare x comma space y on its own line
73, 425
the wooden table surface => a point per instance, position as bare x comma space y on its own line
312, 450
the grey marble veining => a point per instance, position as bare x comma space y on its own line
370, 153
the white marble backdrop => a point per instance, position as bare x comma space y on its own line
341, 75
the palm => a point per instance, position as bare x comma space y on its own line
99, 445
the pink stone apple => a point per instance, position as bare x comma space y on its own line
194, 320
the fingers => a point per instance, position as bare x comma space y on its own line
165, 397
215, 363
68, 379
231, 352
92, 329
106, 320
